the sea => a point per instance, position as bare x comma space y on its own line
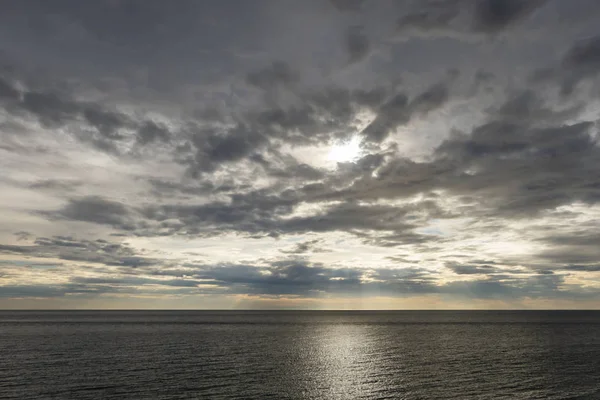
299, 355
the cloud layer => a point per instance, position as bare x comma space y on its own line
430, 153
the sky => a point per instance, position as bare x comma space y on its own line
333, 154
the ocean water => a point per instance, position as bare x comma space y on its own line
299, 355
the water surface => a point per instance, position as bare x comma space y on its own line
299, 355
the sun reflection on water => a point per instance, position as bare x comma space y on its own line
347, 359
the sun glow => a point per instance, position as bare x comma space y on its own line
345, 152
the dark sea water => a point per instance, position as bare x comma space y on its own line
299, 355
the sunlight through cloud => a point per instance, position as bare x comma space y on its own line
346, 151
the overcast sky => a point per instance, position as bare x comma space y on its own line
299, 154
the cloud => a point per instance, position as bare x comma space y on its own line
107, 123
580, 62
151, 131
305, 247
399, 111
495, 15
8, 91
97, 210
460, 17
277, 74
50, 108
357, 44
88, 251
466, 269
183, 151
347, 5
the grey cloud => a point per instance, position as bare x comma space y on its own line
582, 268
170, 189
507, 287
277, 74
151, 131
321, 117
580, 62
136, 281
285, 277
468, 269
520, 167
391, 114
432, 98
495, 15
97, 210
107, 123
433, 16
217, 145
23, 235
357, 44
93, 123
311, 246
89, 251
80, 290
293, 277
266, 213
8, 91
51, 109
287, 167
56, 185
465, 16
347, 5
210, 149
399, 111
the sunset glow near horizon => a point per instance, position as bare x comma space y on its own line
300, 154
